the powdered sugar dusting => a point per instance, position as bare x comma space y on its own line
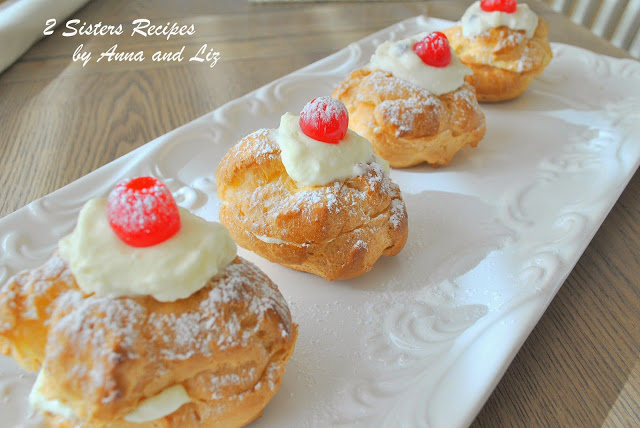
409, 108
511, 39
398, 212
272, 375
25, 292
142, 211
439, 42
217, 383
360, 244
133, 209
503, 48
310, 202
91, 337
405, 114
390, 88
323, 110
102, 332
260, 144
466, 95
526, 61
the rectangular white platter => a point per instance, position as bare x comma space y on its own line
423, 338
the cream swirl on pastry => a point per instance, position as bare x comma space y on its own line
150, 409
476, 21
399, 59
115, 355
174, 269
273, 204
314, 163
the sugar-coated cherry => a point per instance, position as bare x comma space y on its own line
506, 6
142, 212
434, 49
325, 119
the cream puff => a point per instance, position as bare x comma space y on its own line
312, 195
412, 103
145, 317
505, 44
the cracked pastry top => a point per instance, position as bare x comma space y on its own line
324, 207
505, 44
411, 101
147, 350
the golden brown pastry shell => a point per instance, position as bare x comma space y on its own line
336, 231
504, 61
408, 125
46, 321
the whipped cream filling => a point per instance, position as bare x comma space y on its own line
476, 21
399, 59
313, 163
174, 269
269, 240
38, 401
150, 409
159, 406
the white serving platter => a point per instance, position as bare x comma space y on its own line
423, 338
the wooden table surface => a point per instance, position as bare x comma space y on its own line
580, 367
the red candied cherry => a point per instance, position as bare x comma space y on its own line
434, 49
142, 212
506, 6
325, 119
